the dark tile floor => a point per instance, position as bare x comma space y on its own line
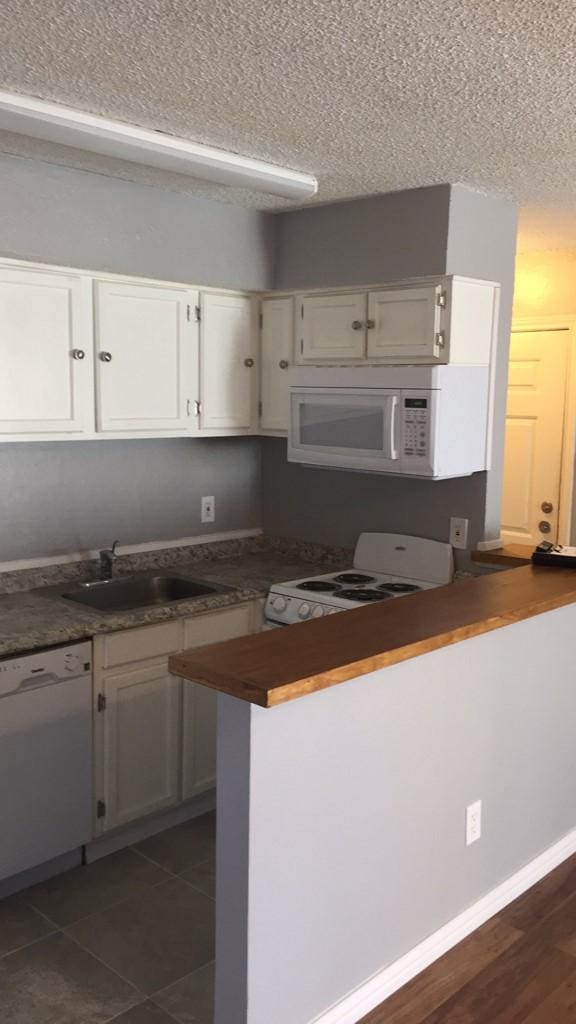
128, 939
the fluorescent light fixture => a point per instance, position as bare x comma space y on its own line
51, 122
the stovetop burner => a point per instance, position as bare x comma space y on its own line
362, 595
352, 578
399, 588
320, 586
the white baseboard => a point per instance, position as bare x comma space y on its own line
490, 545
129, 549
362, 1000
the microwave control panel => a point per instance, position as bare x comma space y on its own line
416, 426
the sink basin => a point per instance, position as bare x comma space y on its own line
141, 591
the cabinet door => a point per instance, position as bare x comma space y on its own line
146, 357
228, 370
404, 325
200, 703
276, 355
332, 328
140, 750
45, 353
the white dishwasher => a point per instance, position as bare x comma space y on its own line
45, 755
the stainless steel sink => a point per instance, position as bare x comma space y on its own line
141, 591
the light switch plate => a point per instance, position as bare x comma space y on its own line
459, 532
208, 509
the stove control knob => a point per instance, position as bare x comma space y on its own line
318, 612
279, 604
304, 611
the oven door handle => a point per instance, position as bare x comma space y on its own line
392, 452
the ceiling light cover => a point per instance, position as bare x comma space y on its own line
51, 122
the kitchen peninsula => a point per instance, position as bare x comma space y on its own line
343, 868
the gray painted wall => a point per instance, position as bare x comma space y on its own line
63, 497
334, 506
356, 845
443, 229
74, 218
56, 498
482, 243
381, 238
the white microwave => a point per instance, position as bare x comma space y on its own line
424, 421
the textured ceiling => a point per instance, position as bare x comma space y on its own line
370, 95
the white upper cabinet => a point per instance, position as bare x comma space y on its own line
405, 323
46, 353
277, 341
146, 357
228, 363
331, 328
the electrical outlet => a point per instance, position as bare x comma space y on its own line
473, 822
458, 532
208, 509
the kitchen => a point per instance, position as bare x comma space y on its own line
182, 463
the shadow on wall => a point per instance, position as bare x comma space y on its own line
334, 506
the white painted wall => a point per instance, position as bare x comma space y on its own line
355, 801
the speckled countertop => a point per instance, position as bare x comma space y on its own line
31, 619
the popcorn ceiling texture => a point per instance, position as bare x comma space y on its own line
371, 95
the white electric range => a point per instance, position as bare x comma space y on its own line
385, 566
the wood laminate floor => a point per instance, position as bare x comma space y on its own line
519, 968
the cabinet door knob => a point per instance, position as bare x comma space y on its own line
357, 325
370, 324
78, 353
547, 507
283, 364
544, 527
248, 362
105, 357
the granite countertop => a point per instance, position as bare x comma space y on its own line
30, 619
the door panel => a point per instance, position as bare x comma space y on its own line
141, 742
276, 356
229, 374
146, 357
327, 328
45, 353
534, 435
200, 703
406, 323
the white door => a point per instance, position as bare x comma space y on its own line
534, 436
277, 339
404, 325
228, 365
141, 742
45, 353
200, 703
146, 357
331, 328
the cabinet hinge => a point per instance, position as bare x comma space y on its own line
261, 320
440, 341
197, 313
101, 705
100, 809
260, 408
301, 346
442, 299
302, 311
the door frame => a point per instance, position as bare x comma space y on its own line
561, 323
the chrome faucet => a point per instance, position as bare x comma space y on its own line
106, 562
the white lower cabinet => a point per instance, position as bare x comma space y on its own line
155, 736
199, 703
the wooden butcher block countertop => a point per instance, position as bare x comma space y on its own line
282, 664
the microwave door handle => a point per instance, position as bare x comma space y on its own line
392, 449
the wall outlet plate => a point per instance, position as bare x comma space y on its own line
208, 509
459, 532
473, 822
